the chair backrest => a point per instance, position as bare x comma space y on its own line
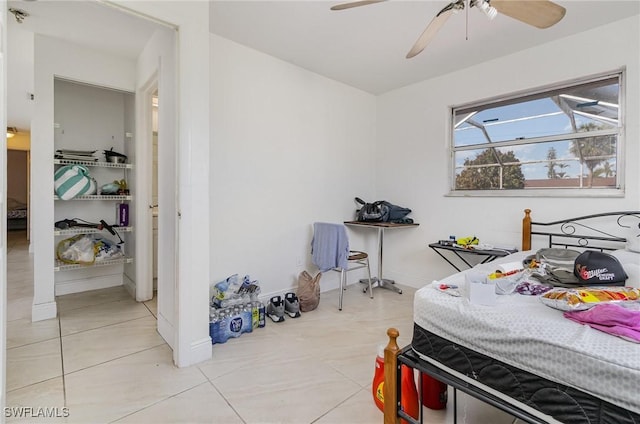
330, 246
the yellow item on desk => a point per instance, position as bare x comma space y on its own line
468, 241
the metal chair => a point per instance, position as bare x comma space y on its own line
330, 251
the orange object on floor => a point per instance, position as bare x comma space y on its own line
409, 395
378, 380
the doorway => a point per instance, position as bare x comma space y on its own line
186, 106
150, 49
18, 191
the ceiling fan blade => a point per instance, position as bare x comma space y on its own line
429, 32
354, 4
538, 13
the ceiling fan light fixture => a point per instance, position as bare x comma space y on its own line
537, 13
487, 9
11, 132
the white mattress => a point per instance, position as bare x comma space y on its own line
523, 332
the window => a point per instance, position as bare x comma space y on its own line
567, 138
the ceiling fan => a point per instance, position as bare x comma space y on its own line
538, 13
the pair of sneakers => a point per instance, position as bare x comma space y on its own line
278, 307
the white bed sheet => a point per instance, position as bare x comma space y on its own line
523, 332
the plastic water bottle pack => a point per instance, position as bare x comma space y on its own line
226, 323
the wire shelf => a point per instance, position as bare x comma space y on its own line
61, 266
87, 230
93, 163
98, 197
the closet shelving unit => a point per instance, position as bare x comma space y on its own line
61, 266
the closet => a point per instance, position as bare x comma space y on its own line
90, 120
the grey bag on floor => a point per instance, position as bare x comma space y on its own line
308, 291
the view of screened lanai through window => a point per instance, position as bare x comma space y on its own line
565, 137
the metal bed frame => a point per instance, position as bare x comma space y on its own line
593, 232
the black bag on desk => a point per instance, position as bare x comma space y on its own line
372, 212
381, 211
397, 213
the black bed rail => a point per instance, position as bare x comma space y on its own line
408, 357
588, 231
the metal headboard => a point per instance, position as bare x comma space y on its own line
602, 231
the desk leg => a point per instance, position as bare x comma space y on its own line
443, 257
383, 283
458, 254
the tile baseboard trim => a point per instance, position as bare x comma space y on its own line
199, 351
43, 311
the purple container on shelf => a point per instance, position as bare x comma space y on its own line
122, 214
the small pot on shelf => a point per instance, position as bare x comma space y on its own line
114, 157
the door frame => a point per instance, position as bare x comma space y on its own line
3, 208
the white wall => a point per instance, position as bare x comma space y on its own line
192, 109
20, 74
288, 147
412, 147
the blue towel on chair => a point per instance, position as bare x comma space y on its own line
330, 246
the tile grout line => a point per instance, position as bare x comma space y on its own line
221, 395
338, 405
103, 326
64, 382
157, 402
163, 343
149, 309
108, 302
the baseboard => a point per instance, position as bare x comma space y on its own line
166, 330
201, 350
130, 286
92, 283
42, 311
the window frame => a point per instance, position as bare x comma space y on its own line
521, 96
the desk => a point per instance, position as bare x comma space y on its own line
489, 254
384, 283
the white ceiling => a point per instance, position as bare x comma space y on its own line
88, 23
365, 47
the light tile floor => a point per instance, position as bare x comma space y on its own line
103, 360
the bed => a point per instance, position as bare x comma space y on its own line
16, 215
521, 355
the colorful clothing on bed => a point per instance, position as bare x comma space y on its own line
610, 318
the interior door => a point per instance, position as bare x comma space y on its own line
167, 222
159, 117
